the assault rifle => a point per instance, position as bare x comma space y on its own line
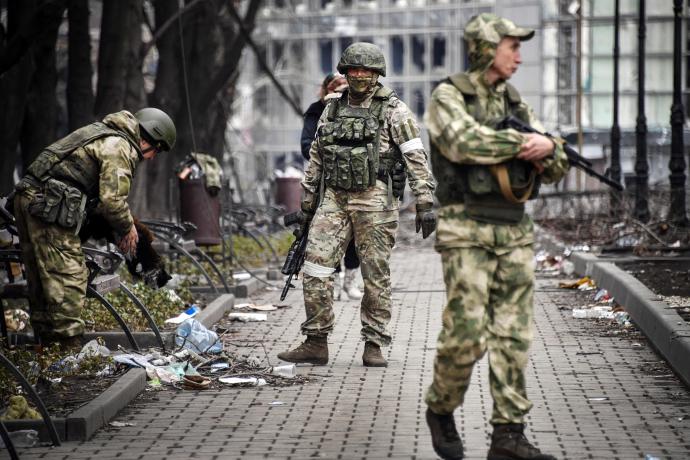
574, 158
295, 257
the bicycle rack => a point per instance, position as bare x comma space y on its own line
172, 234
5, 435
52, 432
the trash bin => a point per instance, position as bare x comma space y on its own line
203, 210
289, 193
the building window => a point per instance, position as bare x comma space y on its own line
326, 52
344, 43
418, 52
398, 50
438, 57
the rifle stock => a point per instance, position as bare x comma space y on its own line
575, 159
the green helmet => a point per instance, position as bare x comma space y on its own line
364, 55
157, 127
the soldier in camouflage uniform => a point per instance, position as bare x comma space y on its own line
484, 236
359, 139
88, 171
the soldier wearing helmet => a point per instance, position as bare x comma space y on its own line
88, 171
361, 138
485, 238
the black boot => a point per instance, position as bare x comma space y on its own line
372, 356
508, 442
444, 436
314, 350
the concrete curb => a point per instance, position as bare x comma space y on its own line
81, 424
247, 287
666, 330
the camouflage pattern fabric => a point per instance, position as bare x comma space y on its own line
399, 129
334, 224
489, 307
488, 268
370, 217
55, 272
211, 169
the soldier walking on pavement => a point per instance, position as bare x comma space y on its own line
348, 190
88, 171
485, 237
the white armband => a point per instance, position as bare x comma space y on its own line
412, 144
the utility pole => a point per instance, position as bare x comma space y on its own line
615, 168
677, 164
641, 164
579, 186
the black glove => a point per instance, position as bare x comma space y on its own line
304, 223
398, 177
425, 220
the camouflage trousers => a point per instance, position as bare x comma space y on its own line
55, 272
330, 232
490, 295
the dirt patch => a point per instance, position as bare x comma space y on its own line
667, 277
73, 392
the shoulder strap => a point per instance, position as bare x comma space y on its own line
462, 82
384, 92
332, 106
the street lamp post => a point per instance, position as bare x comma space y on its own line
677, 164
641, 164
615, 169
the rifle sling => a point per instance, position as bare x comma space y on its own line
500, 172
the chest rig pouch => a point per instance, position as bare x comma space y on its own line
495, 194
349, 144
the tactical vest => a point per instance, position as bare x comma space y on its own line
349, 144
477, 186
65, 183
54, 161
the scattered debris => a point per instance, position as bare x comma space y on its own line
247, 317
190, 312
117, 424
247, 381
251, 306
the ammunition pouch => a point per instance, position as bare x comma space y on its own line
59, 203
347, 166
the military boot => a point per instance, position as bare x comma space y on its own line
314, 350
372, 356
444, 435
508, 442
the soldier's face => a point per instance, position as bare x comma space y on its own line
361, 80
507, 58
147, 150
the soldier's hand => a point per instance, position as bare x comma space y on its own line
425, 220
536, 148
398, 179
128, 243
305, 219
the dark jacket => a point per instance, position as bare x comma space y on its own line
311, 119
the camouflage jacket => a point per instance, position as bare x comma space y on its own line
400, 129
461, 139
104, 168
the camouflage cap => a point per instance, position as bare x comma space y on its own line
492, 28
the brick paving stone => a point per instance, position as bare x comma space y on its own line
351, 412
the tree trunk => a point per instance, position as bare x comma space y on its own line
40, 116
135, 96
112, 55
14, 86
80, 97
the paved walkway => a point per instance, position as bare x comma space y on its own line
598, 393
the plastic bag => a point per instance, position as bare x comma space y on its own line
194, 335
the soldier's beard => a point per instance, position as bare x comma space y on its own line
360, 87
